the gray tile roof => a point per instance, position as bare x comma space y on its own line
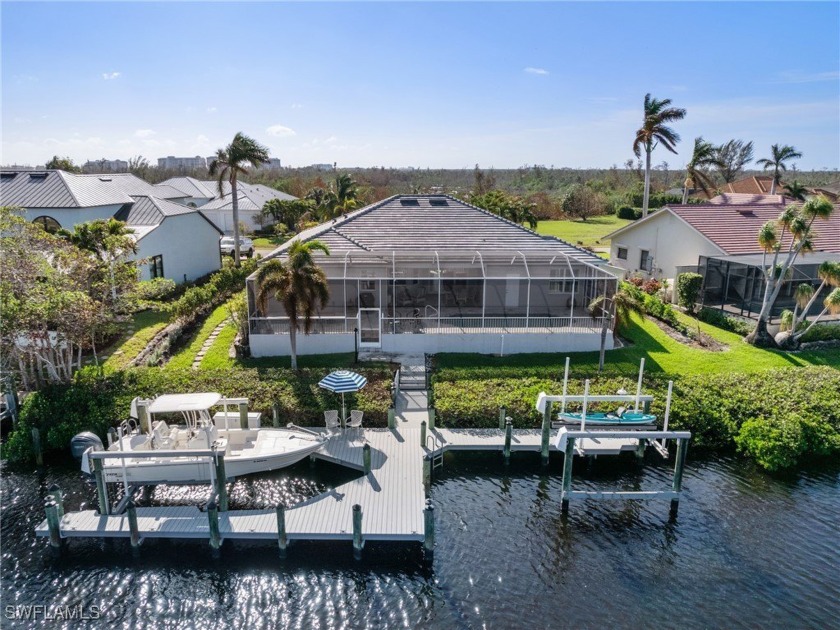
432, 223
57, 189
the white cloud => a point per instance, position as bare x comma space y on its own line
108, 76
279, 131
210, 110
144, 133
297, 106
540, 71
795, 76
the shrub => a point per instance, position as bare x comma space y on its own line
652, 286
822, 332
688, 289
721, 320
155, 289
626, 212
636, 281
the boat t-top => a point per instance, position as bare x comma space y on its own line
183, 422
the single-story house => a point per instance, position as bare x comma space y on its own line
431, 273
716, 237
219, 208
177, 241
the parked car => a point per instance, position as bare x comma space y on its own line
246, 246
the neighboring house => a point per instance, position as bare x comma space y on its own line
754, 185
748, 199
693, 237
831, 191
430, 273
177, 241
219, 208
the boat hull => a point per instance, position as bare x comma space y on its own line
628, 418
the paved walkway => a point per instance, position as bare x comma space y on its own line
207, 343
412, 408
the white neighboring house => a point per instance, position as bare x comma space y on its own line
219, 208
677, 236
178, 241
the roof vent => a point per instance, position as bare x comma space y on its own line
409, 202
438, 202
37, 176
105, 179
746, 213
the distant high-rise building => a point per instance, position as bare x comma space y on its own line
105, 166
186, 163
271, 164
323, 167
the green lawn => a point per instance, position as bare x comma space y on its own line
146, 325
185, 356
587, 233
268, 242
661, 353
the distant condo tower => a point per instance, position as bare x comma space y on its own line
173, 162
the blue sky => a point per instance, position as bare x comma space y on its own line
399, 84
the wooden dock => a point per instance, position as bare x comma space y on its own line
391, 497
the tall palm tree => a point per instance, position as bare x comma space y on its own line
228, 164
343, 195
299, 284
653, 132
795, 191
779, 155
705, 156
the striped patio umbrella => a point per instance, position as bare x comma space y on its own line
341, 382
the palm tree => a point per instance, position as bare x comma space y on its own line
829, 273
228, 164
299, 284
617, 309
779, 155
795, 191
831, 304
705, 155
344, 195
654, 132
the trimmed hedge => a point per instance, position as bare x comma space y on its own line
95, 402
781, 418
721, 320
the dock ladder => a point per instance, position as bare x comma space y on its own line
436, 449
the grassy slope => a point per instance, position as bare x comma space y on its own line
586, 232
268, 242
146, 325
184, 357
661, 354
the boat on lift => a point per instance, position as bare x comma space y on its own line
618, 417
246, 450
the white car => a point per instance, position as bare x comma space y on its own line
246, 246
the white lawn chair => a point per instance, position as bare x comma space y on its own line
331, 418
355, 421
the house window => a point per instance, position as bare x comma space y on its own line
621, 254
556, 287
48, 223
156, 266
646, 261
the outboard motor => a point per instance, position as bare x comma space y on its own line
83, 441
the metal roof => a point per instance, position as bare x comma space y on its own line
134, 186
192, 187
757, 260
58, 189
250, 197
150, 211
432, 223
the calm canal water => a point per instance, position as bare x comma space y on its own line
747, 550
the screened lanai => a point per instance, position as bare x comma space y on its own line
397, 292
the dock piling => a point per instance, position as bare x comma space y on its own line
58, 495
213, 520
221, 480
566, 480
427, 472
392, 418
423, 434
358, 543
508, 436
546, 433
53, 524
502, 416
366, 458
429, 534
101, 488
432, 418
282, 541
243, 415
36, 446
679, 465
275, 415
134, 530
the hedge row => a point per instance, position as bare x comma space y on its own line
781, 418
95, 402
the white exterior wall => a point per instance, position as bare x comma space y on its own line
69, 217
189, 245
224, 219
482, 343
670, 241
